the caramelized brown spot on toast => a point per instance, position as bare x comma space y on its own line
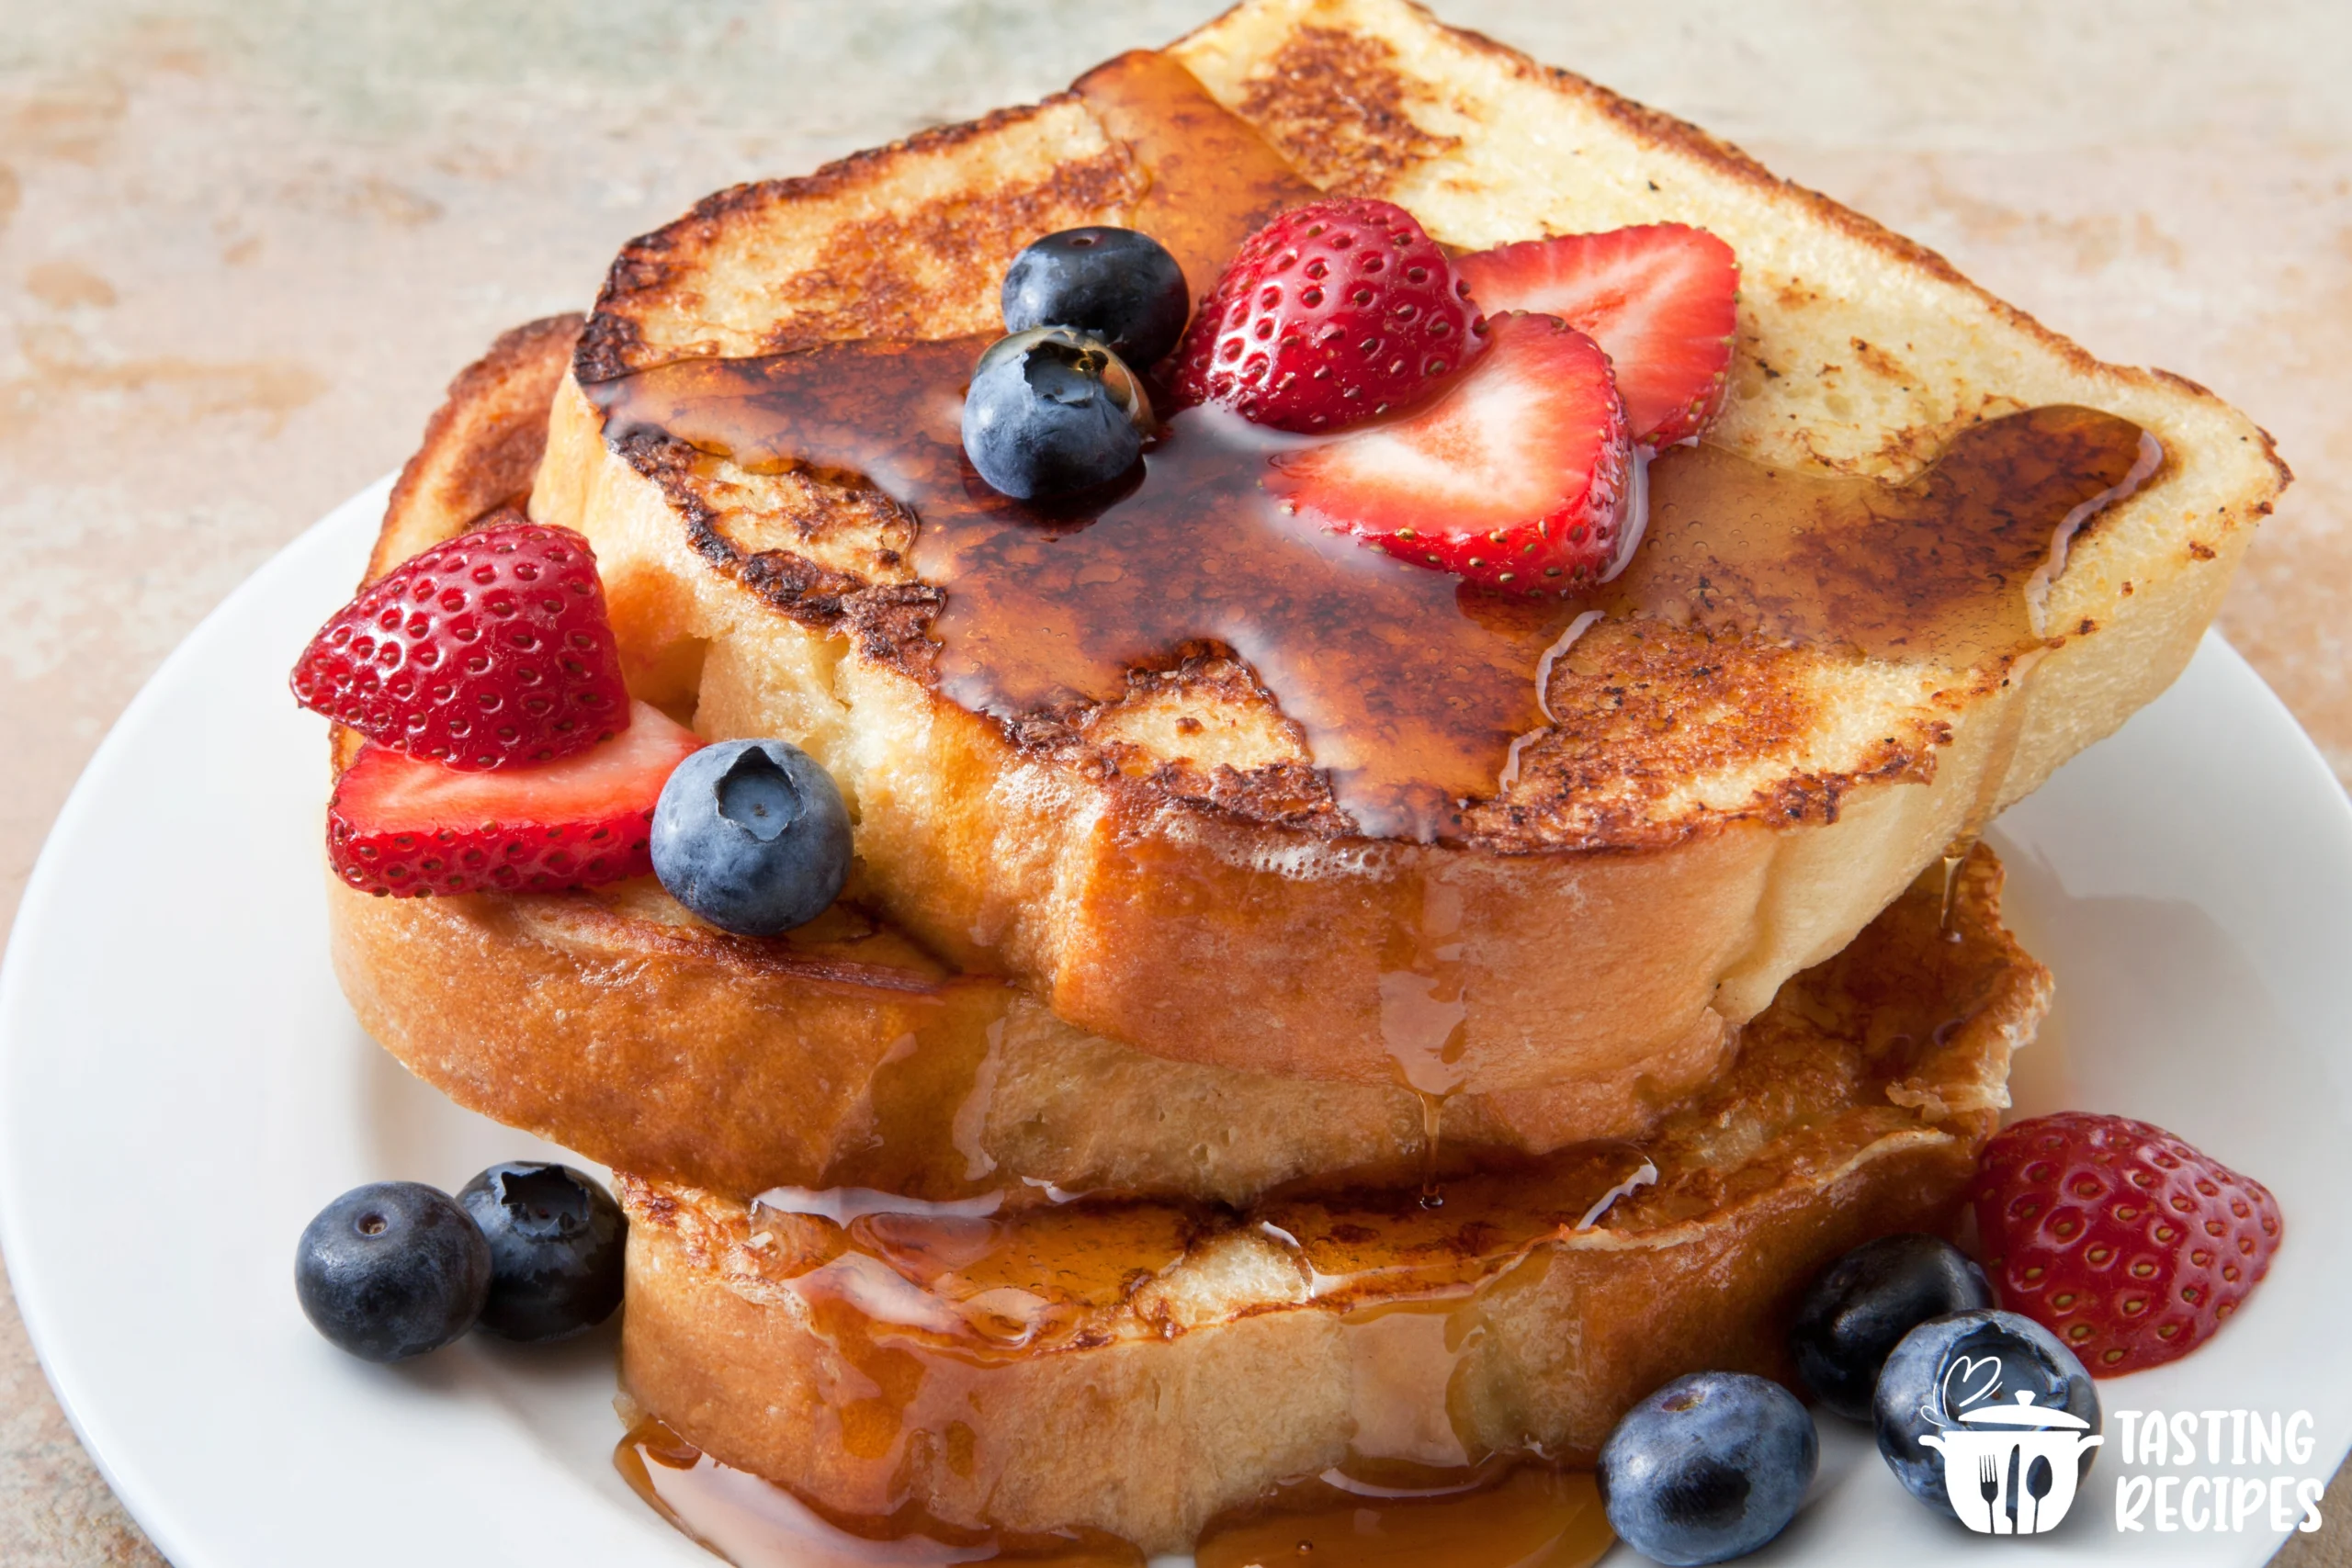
1337, 104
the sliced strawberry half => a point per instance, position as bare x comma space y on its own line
1515, 479
408, 828
491, 650
1662, 300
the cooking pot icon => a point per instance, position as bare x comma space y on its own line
2011, 1468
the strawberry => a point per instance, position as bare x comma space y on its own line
1333, 312
407, 827
1516, 478
1662, 301
2118, 1238
490, 651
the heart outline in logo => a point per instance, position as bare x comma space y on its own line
1965, 1368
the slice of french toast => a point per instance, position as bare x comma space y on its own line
1706, 807
1177, 1360
613, 1023
843, 1054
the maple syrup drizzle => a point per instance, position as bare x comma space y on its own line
755, 1523
1955, 857
1211, 179
924, 1307
1533, 1517
1410, 686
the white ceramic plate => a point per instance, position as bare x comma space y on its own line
182, 1087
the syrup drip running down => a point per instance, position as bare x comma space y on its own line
930, 1312
932, 1315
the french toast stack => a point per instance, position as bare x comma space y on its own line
1156, 1084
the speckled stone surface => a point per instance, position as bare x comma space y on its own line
244, 245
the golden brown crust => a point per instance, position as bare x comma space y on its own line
1641, 707
965, 245
844, 1056
482, 447
1147, 1339
1341, 109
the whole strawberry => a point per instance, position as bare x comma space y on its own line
490, 652
2128, 1244
1334, 312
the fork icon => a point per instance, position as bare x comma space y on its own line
1989, 1486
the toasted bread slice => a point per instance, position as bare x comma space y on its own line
1165, 865
613, 1023
1184, 1359
842, 1054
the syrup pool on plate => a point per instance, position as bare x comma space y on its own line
1525, 1516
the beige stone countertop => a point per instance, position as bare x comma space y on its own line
243, 243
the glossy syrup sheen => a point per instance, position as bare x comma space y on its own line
931, 1313
1533, 1517
1409, 685
1526, 1517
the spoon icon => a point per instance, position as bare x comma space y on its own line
2037, 1482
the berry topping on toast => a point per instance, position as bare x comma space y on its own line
2128, 1244
752, 836
1052, 413
490, 651
1661, 300
1334, 312
1112, 284
407, 827
1517, 479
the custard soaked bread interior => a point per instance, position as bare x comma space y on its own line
1178, 855
1186, 1357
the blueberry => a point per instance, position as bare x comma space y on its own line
1051, 413
752, 836
1708, 1468
1949, 1366
1112, 284
556, 1241
392, 1269
1858, 1308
